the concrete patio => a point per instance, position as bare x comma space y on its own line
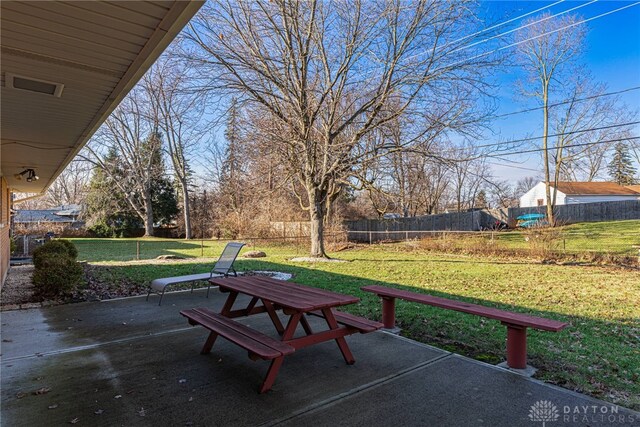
131, 362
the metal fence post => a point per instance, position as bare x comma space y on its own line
138, 250
369, 237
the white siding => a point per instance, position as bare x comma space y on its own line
572, 199
531, 197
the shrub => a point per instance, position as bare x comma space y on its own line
100, 229
12, 244
71, 248
51, 247
56, 274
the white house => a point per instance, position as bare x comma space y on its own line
579, 192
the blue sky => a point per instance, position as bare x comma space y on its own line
612, 55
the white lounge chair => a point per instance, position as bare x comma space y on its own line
223, 267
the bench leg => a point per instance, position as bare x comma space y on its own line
516, 346
389, 312
161, 295
272, 373
148, 293
206, 349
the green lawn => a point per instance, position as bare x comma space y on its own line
612, 237
598, 354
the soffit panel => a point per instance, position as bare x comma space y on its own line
97, 49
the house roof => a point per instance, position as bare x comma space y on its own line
635, 188
23, 216
594, 189
97, 50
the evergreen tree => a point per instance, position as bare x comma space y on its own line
108, 213
163, 196
231, 175
481, 200
621, 167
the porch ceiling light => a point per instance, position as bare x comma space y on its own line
30, 173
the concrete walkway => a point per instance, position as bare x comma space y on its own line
131, 362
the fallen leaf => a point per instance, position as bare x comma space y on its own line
191, 399
75, 420
43, 390
99, 411
117, 396
142, 412
53, 406
182, 381
20, 395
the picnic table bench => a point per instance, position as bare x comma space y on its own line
296, 301
516, 323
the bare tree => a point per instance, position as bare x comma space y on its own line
548, 49
329, 73
138, 147
70, 187
587, 126
176, 111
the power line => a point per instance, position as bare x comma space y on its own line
514, 167
533, 138
584, 21
525, 26
528, 110
501, 24
558, 134
494, 27
586, 144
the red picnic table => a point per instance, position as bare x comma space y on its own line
296, 301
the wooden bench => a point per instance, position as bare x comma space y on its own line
363, 325
257, 344
516, 323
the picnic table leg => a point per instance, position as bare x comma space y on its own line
306, 326
342, 343
272, 373
516, 346
271, 311
292, 325
228, 305
206, 349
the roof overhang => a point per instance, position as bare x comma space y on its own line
91, 54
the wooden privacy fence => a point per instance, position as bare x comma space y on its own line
586, 212
398, 228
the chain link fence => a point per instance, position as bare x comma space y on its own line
621, 247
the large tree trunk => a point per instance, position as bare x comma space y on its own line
148, 214
317, 215
187, 211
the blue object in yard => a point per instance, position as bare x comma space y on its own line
530, 217
531, 220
